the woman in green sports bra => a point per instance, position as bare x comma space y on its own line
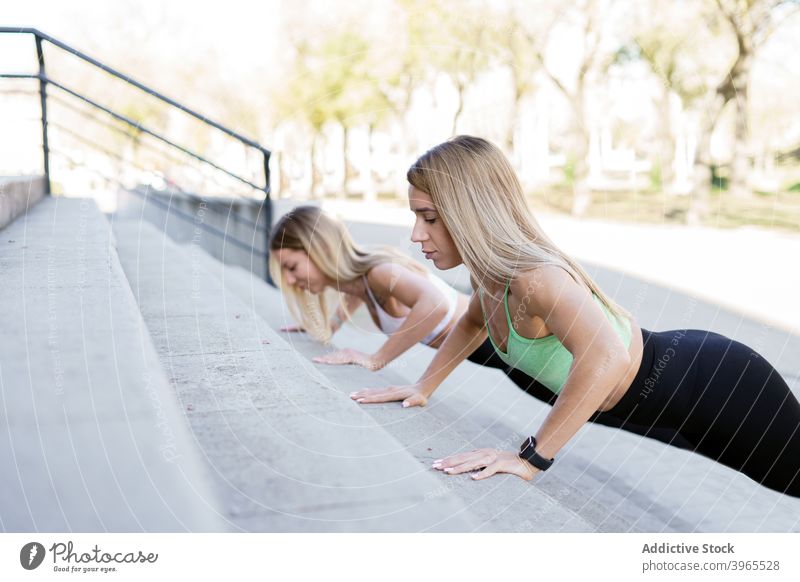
546, 358
548, 319
517, 284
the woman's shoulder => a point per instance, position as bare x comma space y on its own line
384, 276
545, 281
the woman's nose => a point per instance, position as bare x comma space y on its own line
290, 279
418, 233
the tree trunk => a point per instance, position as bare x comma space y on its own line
460, 89
740, 160
513, 120
315, 180
667, 143
404, 149
283, 177
347, 174
369, 179
581, 194
699, 204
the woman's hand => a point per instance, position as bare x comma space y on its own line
491, 461
292, 328
411, 395
350, 356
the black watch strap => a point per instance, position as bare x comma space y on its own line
528, 452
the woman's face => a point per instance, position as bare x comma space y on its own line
431, 233
298, 269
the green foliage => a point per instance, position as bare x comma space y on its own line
569, 171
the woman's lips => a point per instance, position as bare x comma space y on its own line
430, 254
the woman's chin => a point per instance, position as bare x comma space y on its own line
439, 263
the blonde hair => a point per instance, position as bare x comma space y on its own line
329, 245
482, 204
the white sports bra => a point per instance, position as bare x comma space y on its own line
389, 324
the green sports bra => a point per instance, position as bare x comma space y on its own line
545, 358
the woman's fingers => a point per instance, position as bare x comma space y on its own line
379, 395
470, 465
415, 399
408, 394
488, 471
339, 357
370, 392
490, 461
453, 461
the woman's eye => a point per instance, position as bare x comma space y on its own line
430, 220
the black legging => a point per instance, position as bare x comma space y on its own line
486, 356
724, 398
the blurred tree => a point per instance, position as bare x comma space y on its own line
516, 44
408, 69
672, 39
592, 19
348, 87
303, 97
463, 50
752, 23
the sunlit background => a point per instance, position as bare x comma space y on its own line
658, 142
676, 110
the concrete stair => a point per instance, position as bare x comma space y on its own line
91, 437
144, 388
613, 480
286, 450
503, 503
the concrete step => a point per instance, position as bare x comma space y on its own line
91, 437
503, 503
653, 486
286, 449
650, 486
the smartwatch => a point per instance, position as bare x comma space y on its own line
528, 452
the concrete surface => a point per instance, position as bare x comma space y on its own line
501, 504
653, 486
17, 195
287, 451
91, 437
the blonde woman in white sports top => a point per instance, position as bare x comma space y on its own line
318, 266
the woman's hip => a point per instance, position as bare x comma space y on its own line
685, 366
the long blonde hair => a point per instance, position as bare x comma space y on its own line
483, 206
329, 245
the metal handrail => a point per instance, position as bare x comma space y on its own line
204, 198
131, 81
44, 80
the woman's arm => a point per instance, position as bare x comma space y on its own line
352, 303
600, 361
339, 317
465, 337
428, 306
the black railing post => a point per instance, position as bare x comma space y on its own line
43, 98
267, 216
